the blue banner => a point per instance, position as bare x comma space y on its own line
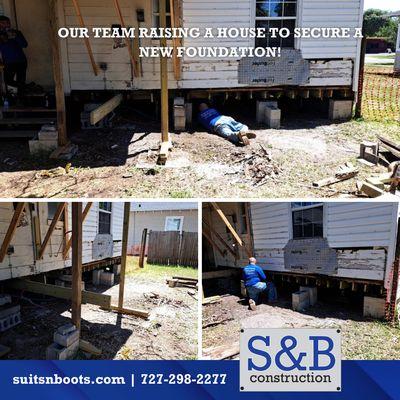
176, 380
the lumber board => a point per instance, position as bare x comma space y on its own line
222, 352
60, 292
184, 278
128, 311
393, 147
101, 112
124, 253
371, 190
220, 238
89, 348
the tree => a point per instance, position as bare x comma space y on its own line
374, 20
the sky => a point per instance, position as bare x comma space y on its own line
390, 5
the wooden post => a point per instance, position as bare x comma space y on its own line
76, 264
143, 248
174, 24
127, 212
358, 107
58, 75
164, 77
248, 227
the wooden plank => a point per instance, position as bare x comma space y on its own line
391, 146
127, 42
164, 77
101, 112
60, 292
143, 248
11, 230
128, 311
89, 348
36, 229
58, 74
76, 264
174, 24
65, 229
125, 233
220, 238
227, 223
86, 40
57, 216
84, 215
222, 352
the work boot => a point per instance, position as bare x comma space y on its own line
252, 305
244, 139
249, 135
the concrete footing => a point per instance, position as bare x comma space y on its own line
300, 300
46, 141
374, 307
340, 110
312, 293
10, 316
107, 278
66, 343
268, 113
96, 274
117, 269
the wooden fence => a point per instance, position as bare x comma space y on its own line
173, 248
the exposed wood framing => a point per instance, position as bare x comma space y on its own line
248, 227
225, 273
57, 216
65, 229
98, 299
175, 18
143, 248
76, 264
58, 75
36, 229
207, 235
127, 42
101, 112
220, 238
11, 230
84, 215
231, 228
86, 40
125, 232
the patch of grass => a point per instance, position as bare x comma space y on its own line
159, 271
181, 194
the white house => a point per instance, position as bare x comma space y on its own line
29, 253
167, 216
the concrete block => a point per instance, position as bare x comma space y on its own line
57, 352
179, 111
173, 283
312, 292
66, 329
189, 113
273, 117
67, 339
96, 276
260, 111
179, 101
372, 155
9, 321
107, 278
48, 136
300, 300
180, 123
374, 307
340, 109
6, 311
5, 299
117, 269
37, 146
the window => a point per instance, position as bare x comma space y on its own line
174, 224
307, 220
276, 14
156, 13
105, 210
52, 209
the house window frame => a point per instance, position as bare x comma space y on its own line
109, 212
155, 15
307, 207
296, 18
180, 217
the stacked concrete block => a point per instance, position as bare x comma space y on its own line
273, 117
179, 114
66, 281
189, 113
312, 292
261, 106
96, 274
66, 343
46, 141
340, 110
300, 300
5, 299
107, 278
10, 316
374, 307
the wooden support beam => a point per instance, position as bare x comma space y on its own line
127, 42
89, 348
84, 215
11, 230
97, 299
101, 112
58, 74
231, 228
86, 40
57, 216
248, 227
76, 264
207, 235
175, 24
65, 229
125, 232
220, 238
36, 229
137, 313
143, 248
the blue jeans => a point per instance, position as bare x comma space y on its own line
228, 128
255, 291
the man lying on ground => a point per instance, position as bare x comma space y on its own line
224, 126
255, 281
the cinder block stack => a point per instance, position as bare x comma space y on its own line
179, 114
340, 110
10, 316
66, 343
46, 141
268, 113
300, 300
312, 292
107, 278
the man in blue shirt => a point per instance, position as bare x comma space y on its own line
254, 279
12, 43
224, 126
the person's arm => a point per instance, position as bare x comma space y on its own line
261, 273
20, 39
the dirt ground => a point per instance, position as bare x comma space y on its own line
361, 338
279, 163
170, 332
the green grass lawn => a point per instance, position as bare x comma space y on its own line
161, 271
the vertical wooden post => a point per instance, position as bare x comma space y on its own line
76, 264
143, 248
164, 76
58, 76
358, 107
127, 211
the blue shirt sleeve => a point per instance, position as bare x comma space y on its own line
261, 273
20, 39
